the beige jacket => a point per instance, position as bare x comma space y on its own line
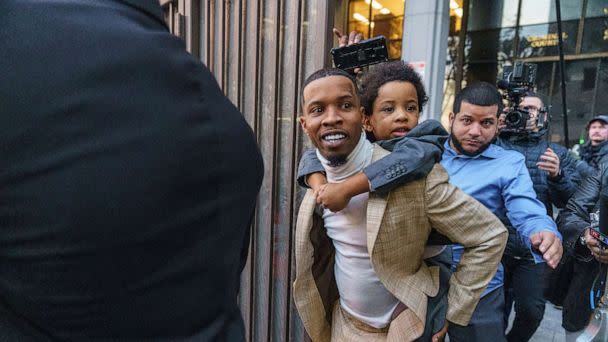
398, 225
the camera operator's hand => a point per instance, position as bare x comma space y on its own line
598, 251
502, 119
549, 245
549, 162
345, 40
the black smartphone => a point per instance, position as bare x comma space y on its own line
364, 53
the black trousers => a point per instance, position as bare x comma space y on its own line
524, 285
487, 323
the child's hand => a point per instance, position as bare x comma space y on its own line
440, 335
333, 196
315, 181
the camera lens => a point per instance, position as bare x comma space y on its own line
513, 118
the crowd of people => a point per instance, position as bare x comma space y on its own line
371, 153
124, 165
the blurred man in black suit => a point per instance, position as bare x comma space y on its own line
127, 179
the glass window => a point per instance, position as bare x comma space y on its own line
601, 100
579, 76
484, 14
541, 40
456, 12
597, 8
386, 20
485, 72
595, 35
544, 72
495, 45
543, 11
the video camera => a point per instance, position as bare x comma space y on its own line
517, 80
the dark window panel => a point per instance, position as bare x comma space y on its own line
595, 35
484, 14
579, 98
541, 40
476, 72
601, 100
543, 11
543, 78
495, 45
596, 8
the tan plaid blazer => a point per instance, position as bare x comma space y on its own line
398, 225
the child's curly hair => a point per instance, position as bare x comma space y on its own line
383, 73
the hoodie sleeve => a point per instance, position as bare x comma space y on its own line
412, 157
309, 164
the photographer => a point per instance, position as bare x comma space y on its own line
574, 223
554, 175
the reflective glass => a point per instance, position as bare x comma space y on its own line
601, 100
495, 45
595, 35
542, 40
386, 20
580, 81
596, 8
485, 72
543, 11
485, 14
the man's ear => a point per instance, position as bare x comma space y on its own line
303, 123
367, 124
452, 117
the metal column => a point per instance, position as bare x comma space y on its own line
425, 35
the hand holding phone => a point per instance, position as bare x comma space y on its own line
364, 53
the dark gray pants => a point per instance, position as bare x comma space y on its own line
437, 307
524, 285
487, 323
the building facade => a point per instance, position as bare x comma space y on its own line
501, 32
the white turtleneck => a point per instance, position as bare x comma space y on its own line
361, 292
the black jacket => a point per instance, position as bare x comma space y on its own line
127, 179
549, 191
591, 158
573, 221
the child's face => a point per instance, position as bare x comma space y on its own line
395, 111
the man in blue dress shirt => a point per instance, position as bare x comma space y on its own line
498, 179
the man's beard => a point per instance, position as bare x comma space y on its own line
337, 160
459, 147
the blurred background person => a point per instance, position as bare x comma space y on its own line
595, 151
128, 180
575, 222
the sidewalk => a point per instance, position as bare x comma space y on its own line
550, 329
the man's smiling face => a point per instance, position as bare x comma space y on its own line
332, 116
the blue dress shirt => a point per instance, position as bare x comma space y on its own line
499, 179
